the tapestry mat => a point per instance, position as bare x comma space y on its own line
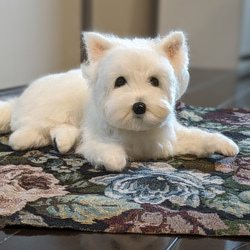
181, 195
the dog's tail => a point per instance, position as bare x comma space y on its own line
6, 108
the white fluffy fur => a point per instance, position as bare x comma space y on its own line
61, 108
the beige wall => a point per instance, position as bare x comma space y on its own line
244, 66
213, 28
38, 37
124, 17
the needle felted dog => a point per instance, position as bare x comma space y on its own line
118, 107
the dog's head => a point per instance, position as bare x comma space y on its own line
135, 83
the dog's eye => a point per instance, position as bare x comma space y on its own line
120, 81
154, 81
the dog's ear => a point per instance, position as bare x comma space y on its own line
175, 49
96, 45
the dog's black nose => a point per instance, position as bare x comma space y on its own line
139, 108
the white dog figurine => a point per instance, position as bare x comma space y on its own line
123, 107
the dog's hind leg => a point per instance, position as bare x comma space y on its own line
64, 137
28, 137
5, 115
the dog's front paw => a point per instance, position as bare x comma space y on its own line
225, 146
112, 157
111, 161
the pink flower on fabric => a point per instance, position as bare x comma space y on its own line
23, 183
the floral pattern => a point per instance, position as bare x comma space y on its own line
156, 184
21, 184
182, 195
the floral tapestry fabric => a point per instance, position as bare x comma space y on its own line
181, 195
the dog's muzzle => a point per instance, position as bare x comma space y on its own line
139, 108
